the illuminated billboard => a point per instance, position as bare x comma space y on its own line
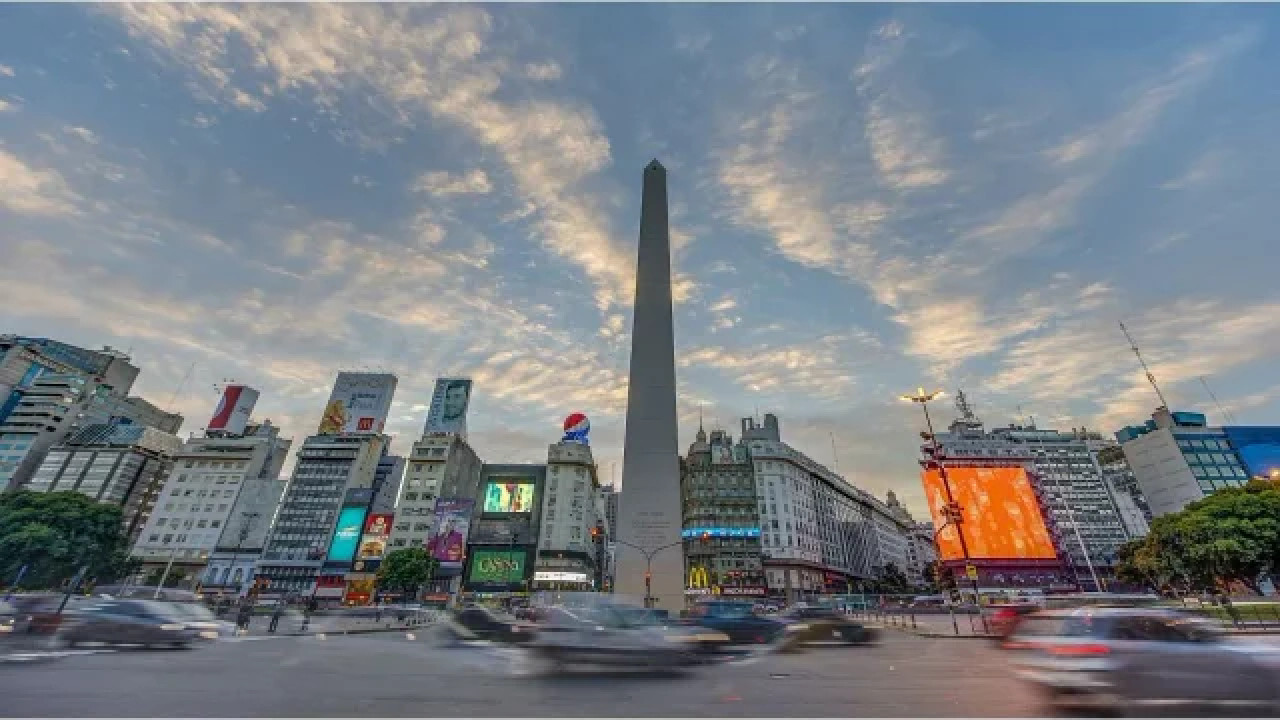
358, 404
449, 403
1002, 518
346, 536
492, 565
233, 410
1258, 447
448, 541
509, 495
373, 544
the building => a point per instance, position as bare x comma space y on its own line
1177, 458
721, 519
570, 556
649, 510
24, 359
819, 533
440, 465
120, 464
215, 480
1135, 515
504, 530
922, 553
386, 483
304, 553
1071, 493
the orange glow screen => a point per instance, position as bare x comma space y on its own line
1001, 516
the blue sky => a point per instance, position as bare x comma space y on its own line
865, 198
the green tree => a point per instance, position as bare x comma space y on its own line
407, 570
53, 534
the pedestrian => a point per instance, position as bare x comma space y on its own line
275, 616
243, 616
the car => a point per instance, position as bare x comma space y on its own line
202, 620
813, 624
478, 623
146, 623
705, 641
738, 622
1003, 619
1135, 660
599, 635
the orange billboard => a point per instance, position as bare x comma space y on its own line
1002, 519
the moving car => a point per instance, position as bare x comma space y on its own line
600, 635
738, 621
1003, 619
1134, 660
477, 623
705, 641
128, 622
812, 624
202, 620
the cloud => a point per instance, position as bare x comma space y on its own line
6, 71
438, 182
542, 71
33, 191
82, 134
6, 106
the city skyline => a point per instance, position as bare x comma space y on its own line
943, 201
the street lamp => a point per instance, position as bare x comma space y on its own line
953, 514
648, 566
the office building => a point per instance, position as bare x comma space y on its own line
721, 519
386, 483
214, 480
440, 465
1178, 458
649, 510
119, 464
24, 359
922, 553
505, 528
819, 533
1135, 515
569, 556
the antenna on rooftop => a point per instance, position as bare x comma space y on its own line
1225, 413
1150, 378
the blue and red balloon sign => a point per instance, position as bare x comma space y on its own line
576, 427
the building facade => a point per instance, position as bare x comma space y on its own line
120, 464
1135, 514
1178, 458
570, 555
439, 465
25, 359
721, 519
505, 529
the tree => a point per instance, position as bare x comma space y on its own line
892, 580
407, 570
53, 534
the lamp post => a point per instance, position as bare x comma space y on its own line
648, 566
954, 514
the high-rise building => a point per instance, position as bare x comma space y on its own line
214, 480
386, 483
441, 465
922, 553
569, 558
819, 533
24, 359
721, 519
1178, 458
120, 464
1135, 515
649, 562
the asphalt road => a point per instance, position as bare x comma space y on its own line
389, 674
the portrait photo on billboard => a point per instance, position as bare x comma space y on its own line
449, 403
509, 495
448, 540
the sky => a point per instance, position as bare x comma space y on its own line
865, 199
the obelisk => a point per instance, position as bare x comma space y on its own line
649, 522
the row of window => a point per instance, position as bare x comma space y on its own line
215, 464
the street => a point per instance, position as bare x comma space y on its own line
403, 674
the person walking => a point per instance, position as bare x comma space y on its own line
275, 616
244, 615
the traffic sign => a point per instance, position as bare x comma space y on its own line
971, 571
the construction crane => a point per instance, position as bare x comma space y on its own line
1150, 378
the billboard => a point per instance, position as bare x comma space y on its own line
1002, 518
1258, 447
509, 495
358, 404
448, 541
346, 536
576, 428
449, 402
492, 565
373, 544
501, 530
232, 413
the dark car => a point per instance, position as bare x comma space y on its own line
822, 625
738, 621
128, 622
600, 636
477, 623
705, 641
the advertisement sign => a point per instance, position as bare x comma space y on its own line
373, 544
500, 530
509, 495
358, 404
556, 576
346, 536
1258, 447
699, 579
233, 410
1002, 517
576, 428
448, 541
491, 565
749, 590
449, 402
719, 532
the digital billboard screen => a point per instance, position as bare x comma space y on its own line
509, 495
358, 404
452, 524
346, 536
1002, 518
492, 565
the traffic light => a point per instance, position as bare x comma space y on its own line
597, 533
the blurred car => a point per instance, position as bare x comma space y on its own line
600, 635
1003, 619
813, 624
478, 623
738, 622
1126, 660
147, 623
203, 621
9, 620
705, 641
